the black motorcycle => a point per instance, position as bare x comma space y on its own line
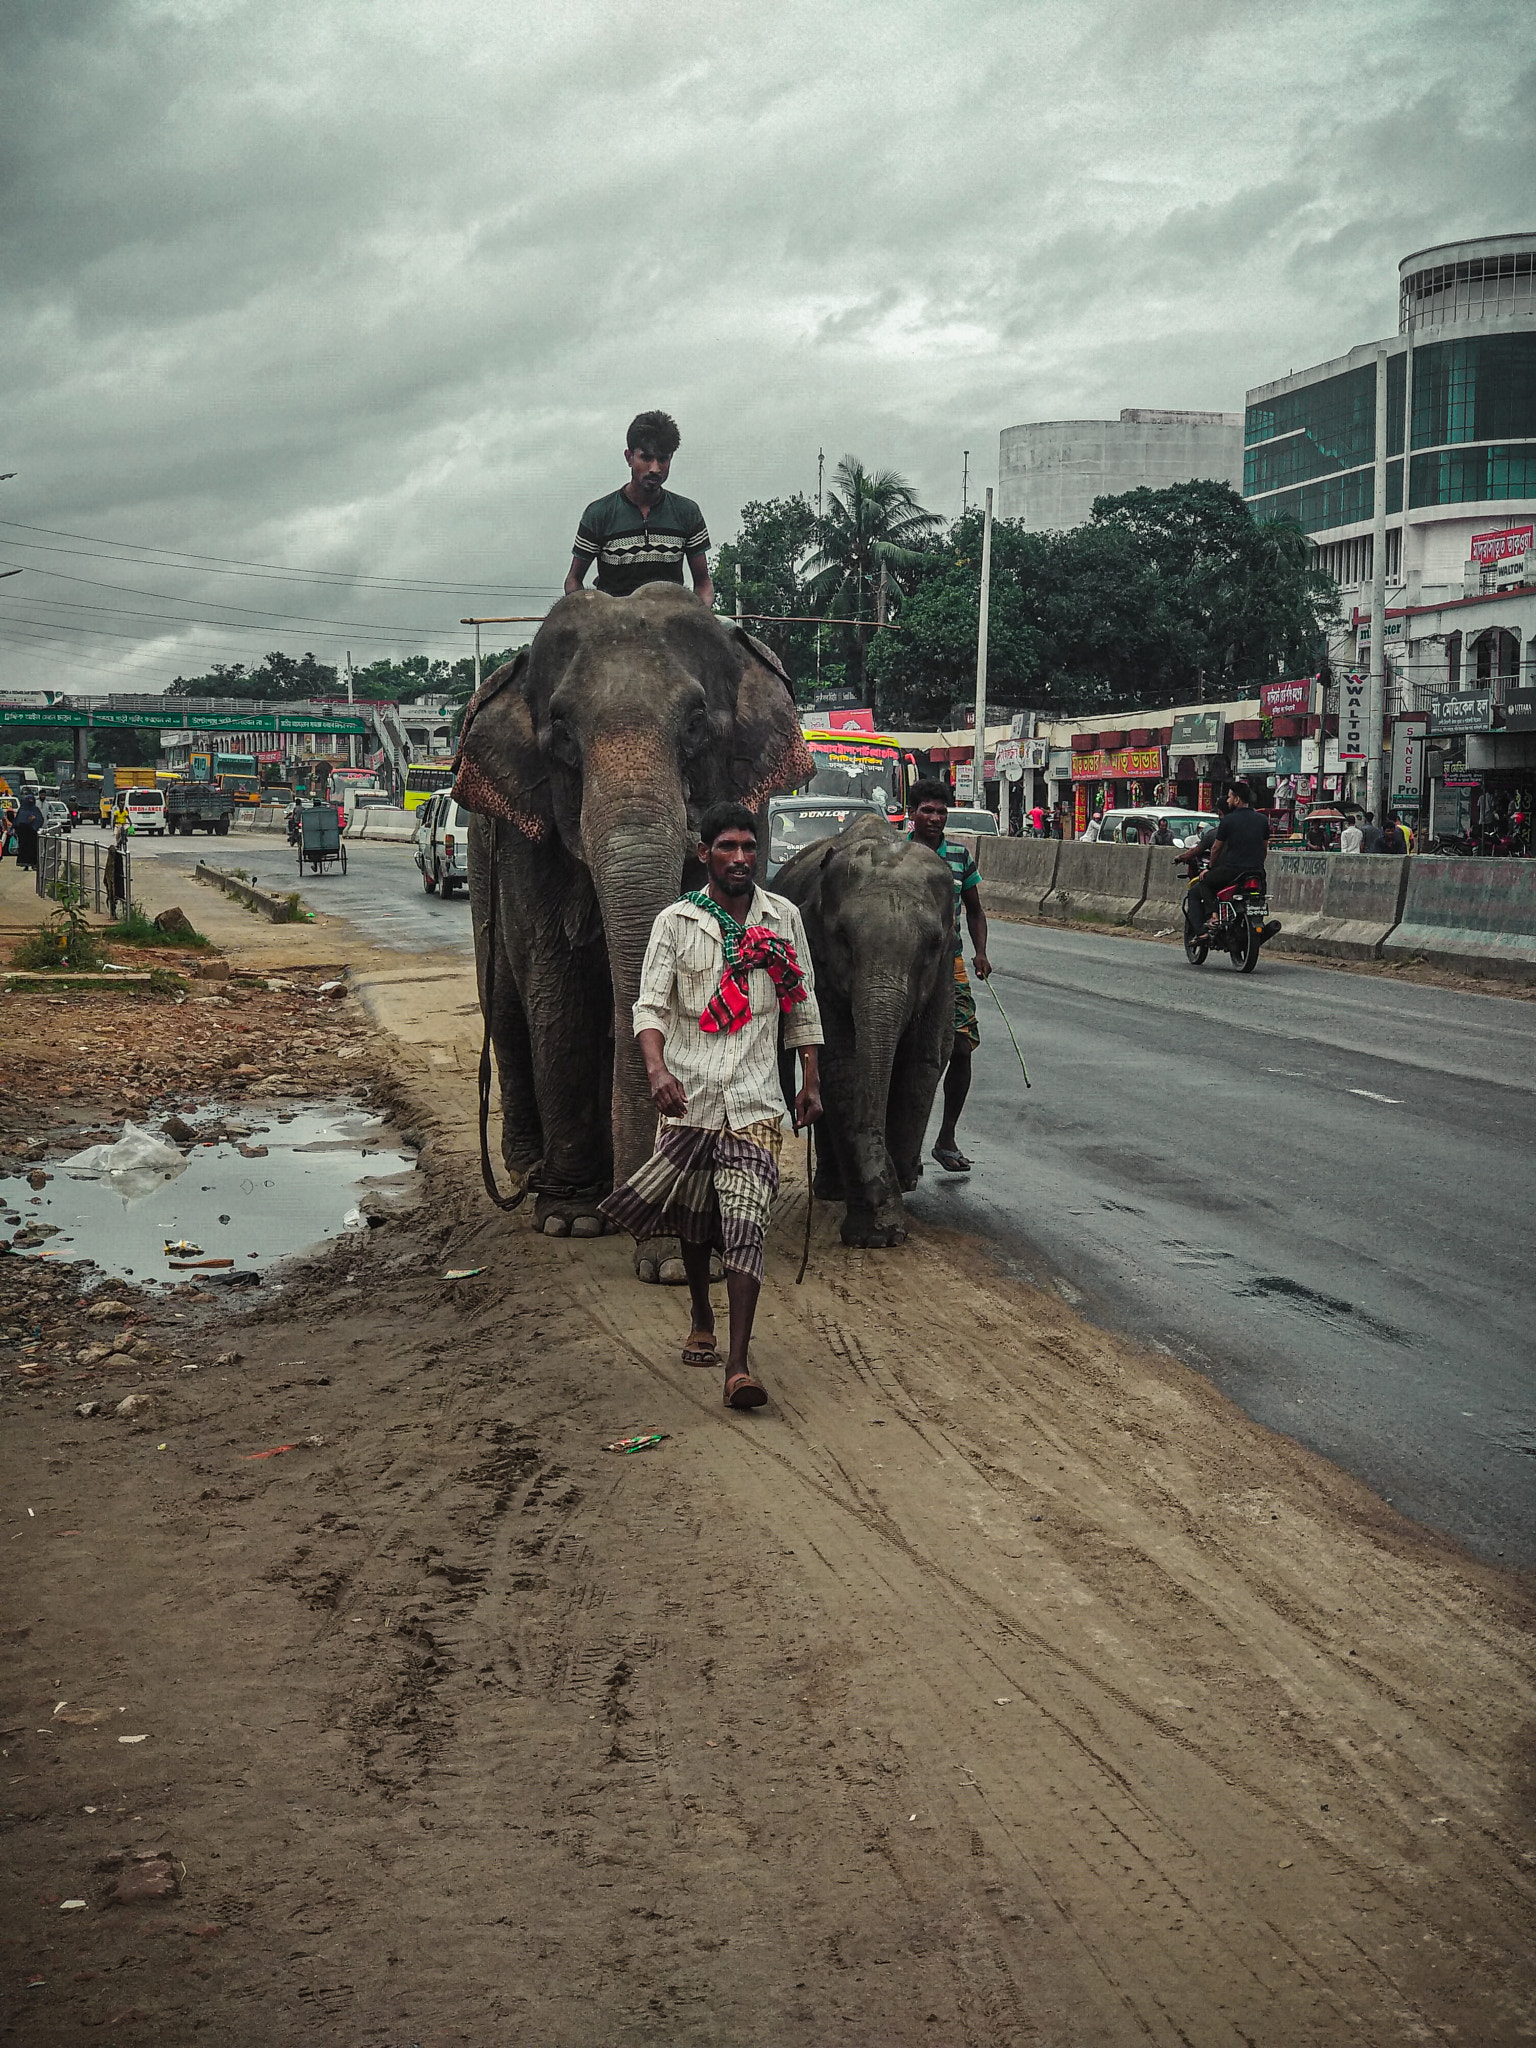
1238, 927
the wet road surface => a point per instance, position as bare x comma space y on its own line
381, 892
1312, 1186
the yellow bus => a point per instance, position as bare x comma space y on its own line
422, 781
859, 763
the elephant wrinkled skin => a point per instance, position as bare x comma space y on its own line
880, 921
589, 760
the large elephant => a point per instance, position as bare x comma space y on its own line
879, 918
589, 760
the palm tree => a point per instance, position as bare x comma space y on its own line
872, 522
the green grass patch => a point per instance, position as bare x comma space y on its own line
138, 928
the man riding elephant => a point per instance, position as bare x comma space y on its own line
590, 760
644, 532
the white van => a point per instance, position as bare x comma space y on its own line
146, 810
1139, 827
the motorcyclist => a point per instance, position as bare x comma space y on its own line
1238, 843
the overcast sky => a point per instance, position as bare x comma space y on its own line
372, 287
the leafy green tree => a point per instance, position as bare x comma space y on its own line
873, 522
1160, 598
765, 566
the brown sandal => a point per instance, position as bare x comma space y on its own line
700, 1348
742, 1391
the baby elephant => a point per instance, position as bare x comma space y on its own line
879, 916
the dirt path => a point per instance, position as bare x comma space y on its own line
997, 1684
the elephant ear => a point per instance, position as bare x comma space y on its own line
498, 769
768, 751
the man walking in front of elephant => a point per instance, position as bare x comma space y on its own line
722, 963
930, 813
644, 532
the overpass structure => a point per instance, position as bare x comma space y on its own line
246, 724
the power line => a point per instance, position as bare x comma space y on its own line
240, 565
250, 611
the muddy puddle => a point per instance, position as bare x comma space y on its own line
280, 1183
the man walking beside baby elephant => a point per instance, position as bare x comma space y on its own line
722, 963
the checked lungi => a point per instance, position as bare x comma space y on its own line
706, 1187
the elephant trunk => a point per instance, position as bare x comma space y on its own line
634, 829
880, 1013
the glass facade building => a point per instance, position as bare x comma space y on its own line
1310, 446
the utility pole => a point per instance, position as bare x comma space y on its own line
880, 596
979, 757
821, 463
1375, 702
965, 485
351, 736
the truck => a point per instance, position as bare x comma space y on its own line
198, 807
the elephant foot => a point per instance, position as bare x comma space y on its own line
873, 1230
569, 1216
659, 1263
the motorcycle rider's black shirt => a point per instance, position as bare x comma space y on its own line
1241, 838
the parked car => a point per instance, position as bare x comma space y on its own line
796, 821
442, 843
968, 820
146, 810
1138, 827
56, 815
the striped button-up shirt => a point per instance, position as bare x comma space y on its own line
730, 1078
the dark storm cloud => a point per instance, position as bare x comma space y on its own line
375, 287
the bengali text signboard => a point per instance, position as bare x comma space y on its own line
1466, 711
1124, 764
1286, 700
1504, 542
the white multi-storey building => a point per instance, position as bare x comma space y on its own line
1460, 564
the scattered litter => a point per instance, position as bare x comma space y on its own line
276, 1451
137, 1163
630, 1444
83, 1717
198, 1265
911, 1816
331, 988
88, 1407
182, 1248
145, 1877
1440, 1820
463, 1272
1006, 1700
133, 1738
72, 1906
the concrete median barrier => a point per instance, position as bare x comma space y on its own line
1476, 915
1362, 902
1296, 881
1098, 884
383, 822
1017, 874
1162, 907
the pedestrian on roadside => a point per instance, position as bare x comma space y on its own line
1162, 836
930, 813
8, 830
1394, 839
1351, 837
27, 824
1037, 821
721, 965
1058, 821
1372, 838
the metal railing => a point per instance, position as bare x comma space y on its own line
87, 866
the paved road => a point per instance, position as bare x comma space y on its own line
1313, 1186
381, 892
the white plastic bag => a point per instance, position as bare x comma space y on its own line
137, 1163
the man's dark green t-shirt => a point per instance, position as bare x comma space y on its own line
630, 550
